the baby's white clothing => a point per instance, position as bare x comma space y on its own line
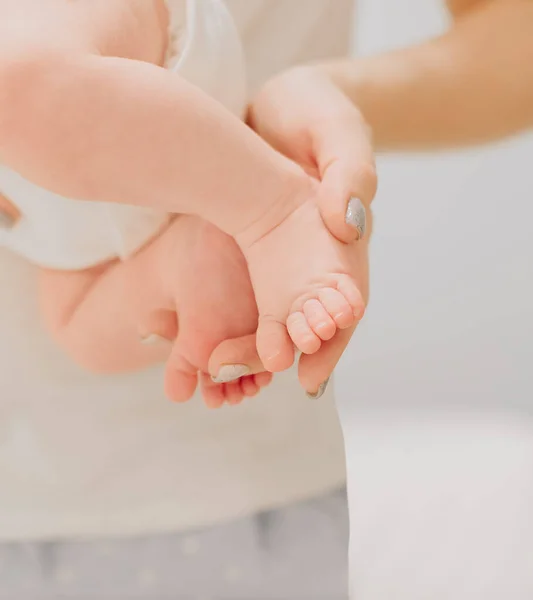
60, 233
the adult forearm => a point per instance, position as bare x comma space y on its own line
473, 84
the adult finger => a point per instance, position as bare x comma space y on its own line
235, 358
345, 157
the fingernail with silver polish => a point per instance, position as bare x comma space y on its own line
229, 373
7, 221
152, 338
356, 216
320, 392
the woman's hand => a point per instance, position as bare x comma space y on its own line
305, 116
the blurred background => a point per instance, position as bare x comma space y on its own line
435, 396
436, 391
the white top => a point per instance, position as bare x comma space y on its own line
93, 455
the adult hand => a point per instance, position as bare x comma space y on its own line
303, 115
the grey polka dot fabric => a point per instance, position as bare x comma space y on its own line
297, 553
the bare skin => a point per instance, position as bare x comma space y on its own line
472, 84
303, 277
185, 292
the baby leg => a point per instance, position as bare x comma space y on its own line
305, 280
106, 317
96, 315
210, 284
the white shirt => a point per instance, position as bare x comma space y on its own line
89, 455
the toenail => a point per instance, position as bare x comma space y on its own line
356, 216
228, 373
320, 392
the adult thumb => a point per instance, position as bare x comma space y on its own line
345, 157
235, 358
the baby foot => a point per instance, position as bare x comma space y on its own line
212, 295
304, 282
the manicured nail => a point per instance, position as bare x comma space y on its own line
356, 216
229, 373
152, 339
7, 221
320, 392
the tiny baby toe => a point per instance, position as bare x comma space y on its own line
179, 385
181, 377
249, 387
319, 319
212, 393
337, 306
274, 345
304, 338
349, 290
263, 379
214, 398
234, 393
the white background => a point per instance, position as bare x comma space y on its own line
436, 393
